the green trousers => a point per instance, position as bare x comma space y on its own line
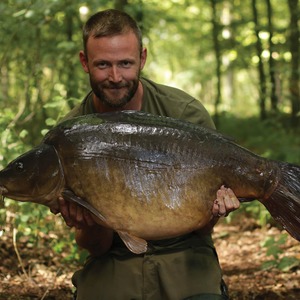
175, 269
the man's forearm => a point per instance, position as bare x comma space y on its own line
96, 239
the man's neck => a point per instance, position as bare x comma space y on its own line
134, 104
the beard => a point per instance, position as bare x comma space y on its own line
115, 95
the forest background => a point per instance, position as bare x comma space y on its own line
239, 58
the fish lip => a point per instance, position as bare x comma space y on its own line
3, 190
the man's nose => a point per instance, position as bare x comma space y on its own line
115, 74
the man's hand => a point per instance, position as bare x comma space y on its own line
75, 215
225, 203
89, 234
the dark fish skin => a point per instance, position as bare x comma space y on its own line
149, 177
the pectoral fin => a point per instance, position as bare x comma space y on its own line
133, 243
70, 196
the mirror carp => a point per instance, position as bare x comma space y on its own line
149, 177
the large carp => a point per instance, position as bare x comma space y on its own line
149, 177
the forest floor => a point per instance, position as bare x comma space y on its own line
43, 274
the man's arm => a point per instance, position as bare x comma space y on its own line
88, 234
96, 239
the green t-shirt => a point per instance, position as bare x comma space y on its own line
161, 100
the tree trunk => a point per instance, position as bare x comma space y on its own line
272, 66
294, 49
262, 76
71, 86
217, 50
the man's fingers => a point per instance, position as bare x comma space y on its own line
235, 203
222, 209
221, 203
88, 218
64, 211
70, 212
215, 210
225, 203
230, 201
75, 215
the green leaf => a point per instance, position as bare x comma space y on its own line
23, 133
288, 263
19, 13
269, 264
269, 241
50, 122
44, 132
274, 250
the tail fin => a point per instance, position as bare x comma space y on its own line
284, 203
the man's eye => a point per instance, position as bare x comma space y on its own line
102, 65
126, 64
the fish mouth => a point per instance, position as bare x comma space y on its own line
3, 190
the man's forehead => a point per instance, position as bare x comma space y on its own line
98, 33
126, 39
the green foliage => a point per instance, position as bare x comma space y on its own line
272, 138
11, 139
274, 249
29, 219
68, 247
257, 211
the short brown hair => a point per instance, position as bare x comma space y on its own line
108, 23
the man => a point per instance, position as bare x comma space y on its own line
180, 268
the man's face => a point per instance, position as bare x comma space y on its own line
114, 64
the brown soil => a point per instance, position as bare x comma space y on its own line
45, 274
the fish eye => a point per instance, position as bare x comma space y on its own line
19, 166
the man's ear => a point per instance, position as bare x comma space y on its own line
143, 58
83, 61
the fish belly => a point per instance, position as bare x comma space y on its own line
145, 199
